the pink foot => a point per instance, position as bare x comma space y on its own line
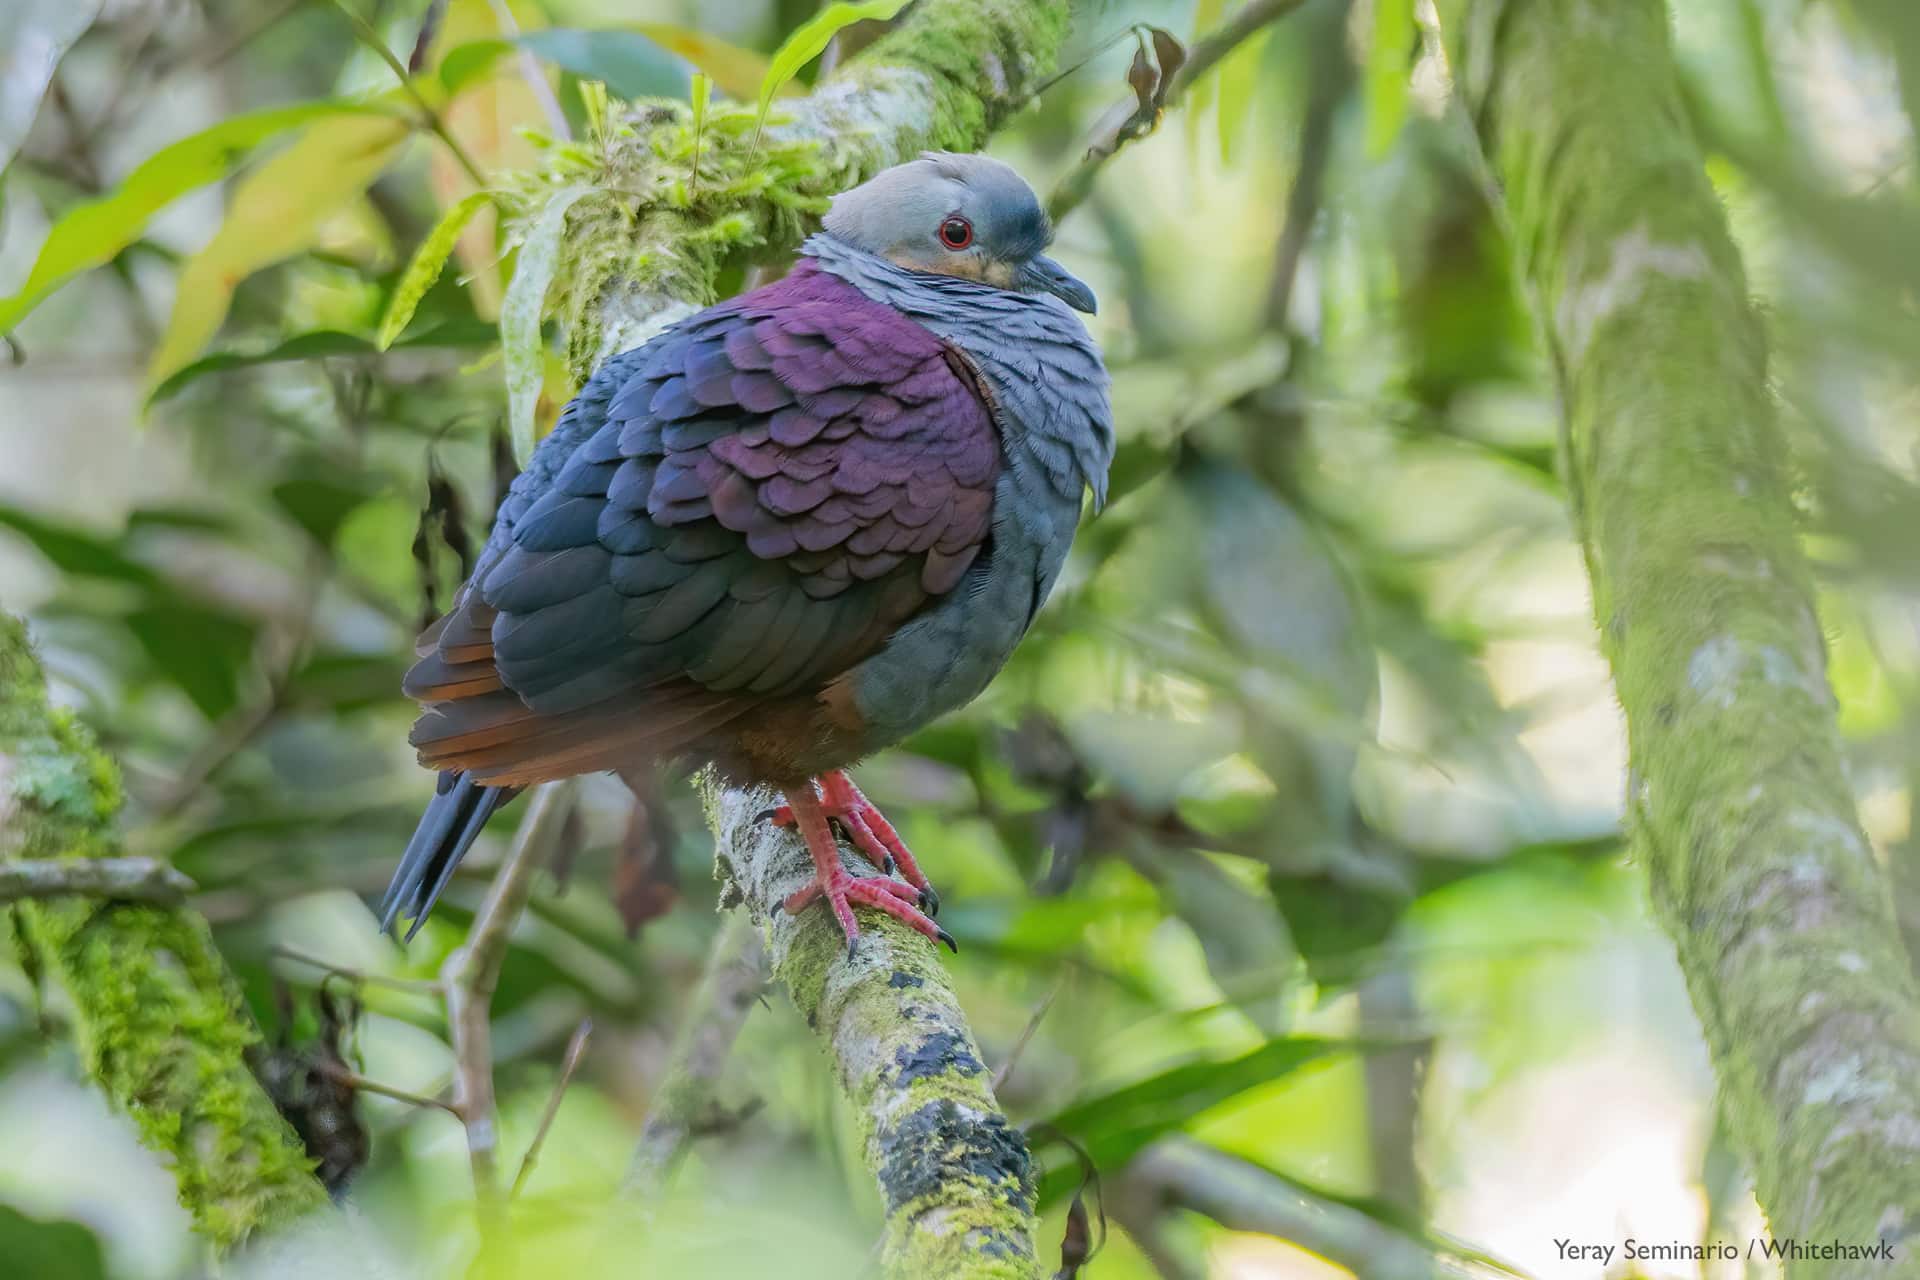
869, 832
805, 810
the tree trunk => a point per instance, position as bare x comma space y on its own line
1738, 801
158, 1018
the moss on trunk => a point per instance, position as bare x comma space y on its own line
1739, 805
157, 1016
953, 1173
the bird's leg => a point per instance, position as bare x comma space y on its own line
873, 835
867, 830
841, 890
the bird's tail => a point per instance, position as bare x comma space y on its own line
459, 809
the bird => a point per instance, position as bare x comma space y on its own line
783, 534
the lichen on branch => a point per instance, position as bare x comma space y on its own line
1738, 800
158, 1019
954, 1175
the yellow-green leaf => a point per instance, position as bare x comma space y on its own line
811, 37
91, 234
739, 72
1206, 16
522, 349
1239, 78
277, 211
1389, 67
428, 260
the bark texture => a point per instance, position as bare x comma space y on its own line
954, 1174
1739, 804
158, 1018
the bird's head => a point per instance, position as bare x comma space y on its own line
958, 215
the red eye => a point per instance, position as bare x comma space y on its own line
956, 233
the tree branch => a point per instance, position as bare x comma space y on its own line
734, 979
953, 1174
1243, 1197
470, 976
124, 879
1205, 54
158, 1018
1738, 804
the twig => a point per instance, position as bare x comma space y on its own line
732, 981
1241, 1196
132, 879
576, 1050
1026, 1034
470, 976
371, 38
425, 986
354, 1080
1202, 57
530, 71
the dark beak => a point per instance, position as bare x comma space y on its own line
1044, 275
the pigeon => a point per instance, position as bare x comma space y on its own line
783, 534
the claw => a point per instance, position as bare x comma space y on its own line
941, 935
929, 901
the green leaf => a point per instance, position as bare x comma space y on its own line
470, 62
810, 38
74, 551
1389, 67
91, 234
321, 343
200, 649
320, 498
52, 1250
627, 62
275, 213
428, 260
1113, 1126
1239, 77
34, 33
522, 349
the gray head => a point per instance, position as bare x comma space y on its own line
958, 215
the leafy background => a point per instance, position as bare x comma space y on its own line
1295, 821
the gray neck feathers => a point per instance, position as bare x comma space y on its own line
1046, 375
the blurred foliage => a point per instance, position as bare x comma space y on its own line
1301, 797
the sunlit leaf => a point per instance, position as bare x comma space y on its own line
1113, 1126
627, 62
490, 115
811, 38
91, 234
523, 350
428, 260
470, 63
1239, 77
33, 35
1206, 16
739, 72
1389, 68
277, 211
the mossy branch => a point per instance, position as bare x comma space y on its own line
953, 1173
159, 1021
649, 245
1739, 804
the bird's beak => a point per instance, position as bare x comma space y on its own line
1044, 275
